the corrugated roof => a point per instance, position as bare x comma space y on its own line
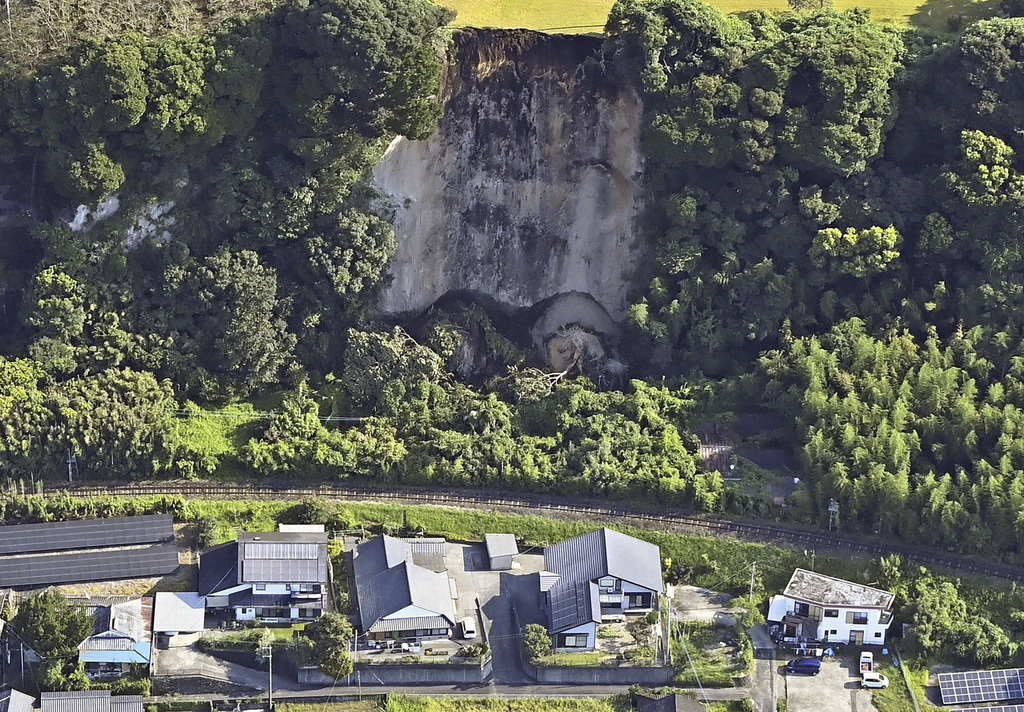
138, 654
85, 534
397, 624
828, 591
89, 701
179, 612
606, 552
126, 703
14, 701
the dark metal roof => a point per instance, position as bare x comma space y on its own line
218, 568
401, 624
85, 534
584, 559
606, 552
76, 567
573, 603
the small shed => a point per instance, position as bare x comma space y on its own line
179, 617
501, 550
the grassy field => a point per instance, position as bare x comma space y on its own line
580, 16
407, 703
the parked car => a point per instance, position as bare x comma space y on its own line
803, 666
468, 628
874, 680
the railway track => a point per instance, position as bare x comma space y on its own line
708, 526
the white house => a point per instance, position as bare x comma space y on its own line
277, 576
603, 575
815, 607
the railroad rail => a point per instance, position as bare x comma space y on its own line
708, 526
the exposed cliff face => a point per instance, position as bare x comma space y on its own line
530, 185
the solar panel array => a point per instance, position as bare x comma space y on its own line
997, 708
85, 534
981, 686
280, 550
76, 567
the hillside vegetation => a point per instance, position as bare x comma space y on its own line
834, 207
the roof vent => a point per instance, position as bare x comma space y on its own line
255, 538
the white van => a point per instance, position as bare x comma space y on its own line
468, 628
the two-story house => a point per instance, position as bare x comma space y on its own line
277, 576
815, 607
603, 575
122, 637
403, 590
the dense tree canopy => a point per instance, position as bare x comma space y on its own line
833, 207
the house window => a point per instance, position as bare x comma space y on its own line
833, 632
802, 609
831, 612
878, 635
261, 587
857, 618
574, 641
608, 584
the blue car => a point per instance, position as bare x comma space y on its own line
803, 666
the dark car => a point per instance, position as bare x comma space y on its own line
803, 666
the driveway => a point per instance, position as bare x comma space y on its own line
836, 689
190, 664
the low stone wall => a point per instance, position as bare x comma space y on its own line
580, 675
407, 674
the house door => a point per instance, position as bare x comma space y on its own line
856, 637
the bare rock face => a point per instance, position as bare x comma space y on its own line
530, 185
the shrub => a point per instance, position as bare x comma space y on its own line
536, 642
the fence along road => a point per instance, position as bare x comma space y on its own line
562, 509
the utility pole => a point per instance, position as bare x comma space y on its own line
72, 465
269, 652
833, 513
753, 569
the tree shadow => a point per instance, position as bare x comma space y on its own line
942, 16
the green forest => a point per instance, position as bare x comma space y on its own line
834, 207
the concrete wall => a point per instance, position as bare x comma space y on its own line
411, 674
571, 675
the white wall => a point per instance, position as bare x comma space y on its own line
589, 628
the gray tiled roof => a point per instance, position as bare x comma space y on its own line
379, 554
387, 580
430, 553
588, 557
